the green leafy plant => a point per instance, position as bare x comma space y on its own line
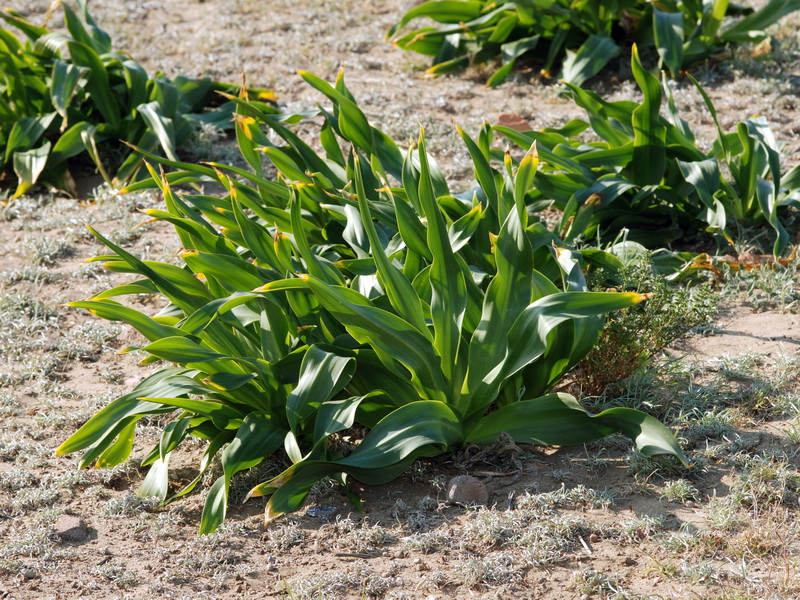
648, 175
579, 37
329, 298
631, 338
69, 94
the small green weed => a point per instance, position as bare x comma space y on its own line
630, 338
47, 250
680, 490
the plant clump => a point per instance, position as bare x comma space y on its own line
70, 95
331, 298
577, 40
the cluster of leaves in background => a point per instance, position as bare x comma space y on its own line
579, 38
68, 94
648, 175
329, 298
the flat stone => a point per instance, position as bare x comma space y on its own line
71, 529
466, 489
514, 121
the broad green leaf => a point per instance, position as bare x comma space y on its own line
120, 450
69, 144
284, 163
462, 230
334, 416
508, 294
528, 336
215, 507
412, 231
386, 332
704, 176
558, 419
135, 84
168, 381
28, 166
179, 294
173, 435
156, 483
524, 179
668, 31
352, 122
510, 52
233, 273
765, 194
12, 17
649, 152
398, 289
161, 125
222, 415
256, 439
98, 81
322, 375
228, 381
759, 20
713, 14
114, 311
449, 297
444, 11
315, 265
484, 173
26, 132
181, 350
100, 44
590, 58
66, 78
600, 117
419, 429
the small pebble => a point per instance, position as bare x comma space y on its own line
28, 574
325, 513
71, 529
465, 489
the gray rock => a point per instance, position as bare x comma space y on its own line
465, 489
71, 529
